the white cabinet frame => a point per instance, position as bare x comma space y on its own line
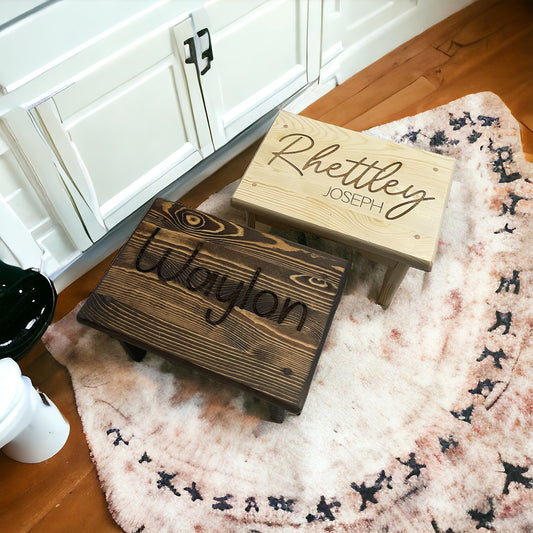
258, 63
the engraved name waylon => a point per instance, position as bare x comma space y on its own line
196, 278
361, 175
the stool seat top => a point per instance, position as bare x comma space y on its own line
376, 195
243, 305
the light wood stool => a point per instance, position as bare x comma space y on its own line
384, 199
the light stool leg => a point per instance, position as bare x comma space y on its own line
393, 277
250, 219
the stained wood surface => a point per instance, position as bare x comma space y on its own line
485, 47
372, 194
243, 305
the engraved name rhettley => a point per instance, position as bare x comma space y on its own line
359, 174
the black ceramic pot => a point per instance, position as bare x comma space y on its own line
27, 303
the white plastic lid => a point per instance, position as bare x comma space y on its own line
11, 386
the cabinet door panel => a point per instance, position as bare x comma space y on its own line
115, 71
260, 59
367, 28
348, 21
123, 137
127, 129
17, 245
30, 235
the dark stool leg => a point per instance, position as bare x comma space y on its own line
137, 354
277, 414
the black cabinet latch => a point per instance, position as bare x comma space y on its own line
207, 54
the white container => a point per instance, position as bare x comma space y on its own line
31, 427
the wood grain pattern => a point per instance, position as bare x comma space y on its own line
242, 305
369, 193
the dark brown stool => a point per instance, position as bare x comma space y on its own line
243, 305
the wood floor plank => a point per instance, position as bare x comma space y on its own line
395, 80
493, 50
507, 72
393, 107
29, 492
494, 27
430, 38
82, 510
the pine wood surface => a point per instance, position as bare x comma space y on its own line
374, 195
485, 47
251, 308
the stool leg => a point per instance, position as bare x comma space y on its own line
277, 414
393, 277
250, 219
137, 354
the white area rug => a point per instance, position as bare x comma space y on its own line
419, 418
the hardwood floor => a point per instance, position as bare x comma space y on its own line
486, 47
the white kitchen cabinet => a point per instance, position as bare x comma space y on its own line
347, 23
31, 234
121, 100
109, 110
128, 128
259, 59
